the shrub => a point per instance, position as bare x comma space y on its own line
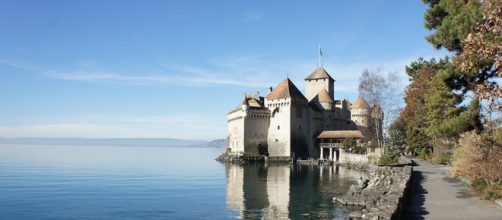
358, 149
478, 184
425, 154
444, 160
478, 160
386, 159
348, 143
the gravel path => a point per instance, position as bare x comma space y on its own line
434, 195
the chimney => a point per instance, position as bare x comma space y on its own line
270, 89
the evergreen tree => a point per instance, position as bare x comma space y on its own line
441, 106
395, 142
451, 21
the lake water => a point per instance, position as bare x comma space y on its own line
108, 182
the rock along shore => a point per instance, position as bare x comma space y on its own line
241, 159
381, 196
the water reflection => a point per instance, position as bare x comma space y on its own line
273, 191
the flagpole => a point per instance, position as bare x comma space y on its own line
320, 56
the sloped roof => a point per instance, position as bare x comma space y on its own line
245, 101
360, 103
319, 73
285, 89
252, 102
341, 134
323, 96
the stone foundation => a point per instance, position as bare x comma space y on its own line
381, 196
236, 158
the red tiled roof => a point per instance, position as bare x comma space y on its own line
285, 89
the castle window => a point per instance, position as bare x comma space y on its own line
276, 140
275, 112
278, 127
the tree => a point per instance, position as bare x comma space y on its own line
441, 106
481, 57
451, 21
381, 91
471, 30
412, 119
395, 143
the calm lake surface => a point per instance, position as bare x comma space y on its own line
108, 182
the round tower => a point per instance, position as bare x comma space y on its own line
360, 112
325, 100
245, 105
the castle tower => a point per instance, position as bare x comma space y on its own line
317, 81
360, 112
245, 104
287, 133
325, 100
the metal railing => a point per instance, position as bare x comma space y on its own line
330, 145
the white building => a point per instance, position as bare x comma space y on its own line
286, 124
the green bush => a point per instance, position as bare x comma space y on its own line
358, 149
425, 154
444, 160
479, 185
387, 160
348, 143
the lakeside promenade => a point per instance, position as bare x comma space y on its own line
435, 195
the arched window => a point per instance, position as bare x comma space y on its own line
276, 110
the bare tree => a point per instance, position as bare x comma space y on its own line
383, 90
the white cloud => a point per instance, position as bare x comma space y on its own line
252, 71
256, 72
185, 126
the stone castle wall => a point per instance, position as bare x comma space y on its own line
279, 136
256, 126
235, 131
301, 143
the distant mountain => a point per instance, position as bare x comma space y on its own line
161, 142
218, 143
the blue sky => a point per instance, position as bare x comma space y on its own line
176, 68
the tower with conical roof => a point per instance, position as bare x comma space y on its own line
360, 112
318, 81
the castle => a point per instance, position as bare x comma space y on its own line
288, 124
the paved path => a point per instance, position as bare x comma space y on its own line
434, 195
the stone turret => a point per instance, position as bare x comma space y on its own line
360, 112
245, 104
325, 100
317, 81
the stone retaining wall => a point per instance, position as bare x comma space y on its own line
381, 196
361, 159
240, 159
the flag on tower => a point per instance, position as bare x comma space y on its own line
320, 56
